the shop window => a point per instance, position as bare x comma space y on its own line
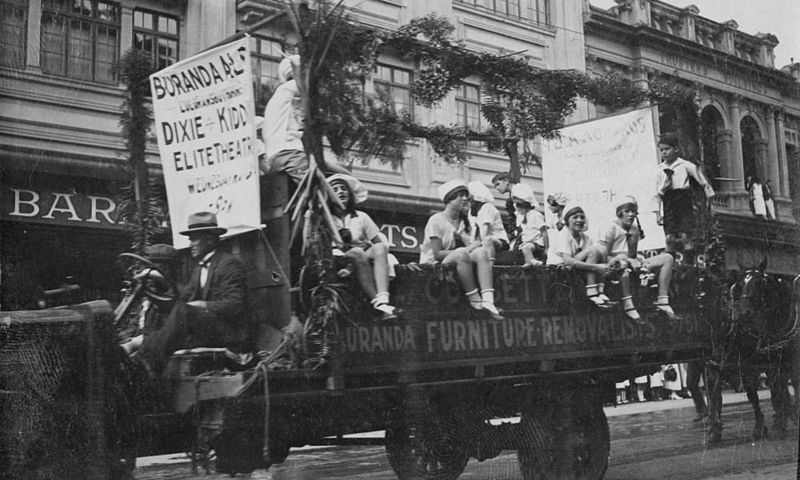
266, 55
80, 39
13, 21
395, 84
468, 110
157, 35
537, 11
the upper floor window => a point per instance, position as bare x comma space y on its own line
266, 55
395, 83
13, 22
537, 11
80, 39
157, 35
468, 109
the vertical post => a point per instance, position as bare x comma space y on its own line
773, 168
736, 142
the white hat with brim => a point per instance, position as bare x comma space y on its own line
523, 192
357, 188
203, 222
451, 186
480, 192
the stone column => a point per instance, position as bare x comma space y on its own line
773, 168
725, 155
760, 150
737, 167
34, 35
783, 162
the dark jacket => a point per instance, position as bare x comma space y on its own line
225, 288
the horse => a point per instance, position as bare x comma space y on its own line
759, 334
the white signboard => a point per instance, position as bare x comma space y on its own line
205, 124
597, 163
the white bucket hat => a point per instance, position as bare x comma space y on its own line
525, 193
480, 192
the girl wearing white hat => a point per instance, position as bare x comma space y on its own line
491, 230
576, 250
365, 242
619, 245
448, 239
531, 229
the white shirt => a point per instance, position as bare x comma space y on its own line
531, 225
439, 226
283, 120
362, 228
489, 214
565, 243
204, 268
682, 171
616, 238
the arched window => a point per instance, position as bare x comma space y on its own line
711, 123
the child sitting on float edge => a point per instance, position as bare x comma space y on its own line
364, 242
491, 230
530, 235
618, 246
577, 250
448, 239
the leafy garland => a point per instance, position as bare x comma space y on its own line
141, 205
520, 101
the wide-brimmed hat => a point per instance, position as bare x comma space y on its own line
357, 188
451, 187
525, 193
161, 252
203, 222
480, 192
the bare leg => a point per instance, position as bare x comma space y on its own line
466, 275
480, 258
378, 253
363, 271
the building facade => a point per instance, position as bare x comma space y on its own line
749, 110
61, 151
62, 154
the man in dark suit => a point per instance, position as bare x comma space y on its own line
211, 312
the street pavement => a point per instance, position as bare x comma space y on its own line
650, 440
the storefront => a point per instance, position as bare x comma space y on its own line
58, 231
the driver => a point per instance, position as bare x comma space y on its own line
210, 312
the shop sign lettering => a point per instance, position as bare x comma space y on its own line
42, 206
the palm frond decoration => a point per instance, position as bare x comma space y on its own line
331, 305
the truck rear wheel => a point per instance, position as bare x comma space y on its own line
570, 442
419, 453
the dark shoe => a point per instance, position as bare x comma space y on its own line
700, 416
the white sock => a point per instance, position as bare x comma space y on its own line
381, 298
662, 300
474, 299
487, 295
591, 290
627, 302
